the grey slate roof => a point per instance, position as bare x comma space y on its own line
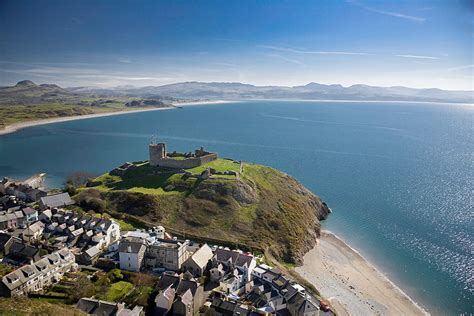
56, 200
186, 285
238, 259
29, 211
18, 248
167, 281
92, 251
131, 245
4, 238
97, 307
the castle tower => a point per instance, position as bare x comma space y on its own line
157, 152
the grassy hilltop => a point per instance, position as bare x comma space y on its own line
261, 208
27, 101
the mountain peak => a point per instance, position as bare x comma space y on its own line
26, 83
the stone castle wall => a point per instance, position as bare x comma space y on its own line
184, 163
158, 157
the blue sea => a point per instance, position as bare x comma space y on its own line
398, 176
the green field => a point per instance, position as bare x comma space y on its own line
116, 292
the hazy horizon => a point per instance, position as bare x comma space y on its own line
417, 44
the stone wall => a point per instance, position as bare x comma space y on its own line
184, 163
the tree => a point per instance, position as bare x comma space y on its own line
82, 287
79, 178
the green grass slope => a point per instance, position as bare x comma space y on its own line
262, 208
26, 306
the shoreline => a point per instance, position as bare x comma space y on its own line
351, 283
363, 101
22, 125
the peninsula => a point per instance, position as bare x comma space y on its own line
200, 195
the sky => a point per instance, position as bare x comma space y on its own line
421, 44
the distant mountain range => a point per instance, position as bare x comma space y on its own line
311, 91
26, 92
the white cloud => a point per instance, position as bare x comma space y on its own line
460, 67
417, 56
290, 60
389, 13
60, 70
302, 51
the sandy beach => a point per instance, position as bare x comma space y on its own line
353, 285
21, 125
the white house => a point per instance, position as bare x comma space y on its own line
33, 232
31, 215
131, 253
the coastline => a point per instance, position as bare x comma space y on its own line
351, 283
363, 101
21, 125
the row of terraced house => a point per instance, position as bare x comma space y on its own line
33, 278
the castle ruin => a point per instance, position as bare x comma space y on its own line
159, 157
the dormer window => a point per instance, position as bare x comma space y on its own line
13, 278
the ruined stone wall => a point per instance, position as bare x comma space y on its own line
207, 158
184, 163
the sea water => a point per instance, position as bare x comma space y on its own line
398, 176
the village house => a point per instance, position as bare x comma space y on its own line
131, 253
35, 277
33, 232
167, 254
274, 293
12, 219
31, 215
89, 256
19, 252
45, 216
55, 200
178, 295
27, 190
197, 263
232, 269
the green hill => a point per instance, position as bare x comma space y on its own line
27, 101
260, 208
